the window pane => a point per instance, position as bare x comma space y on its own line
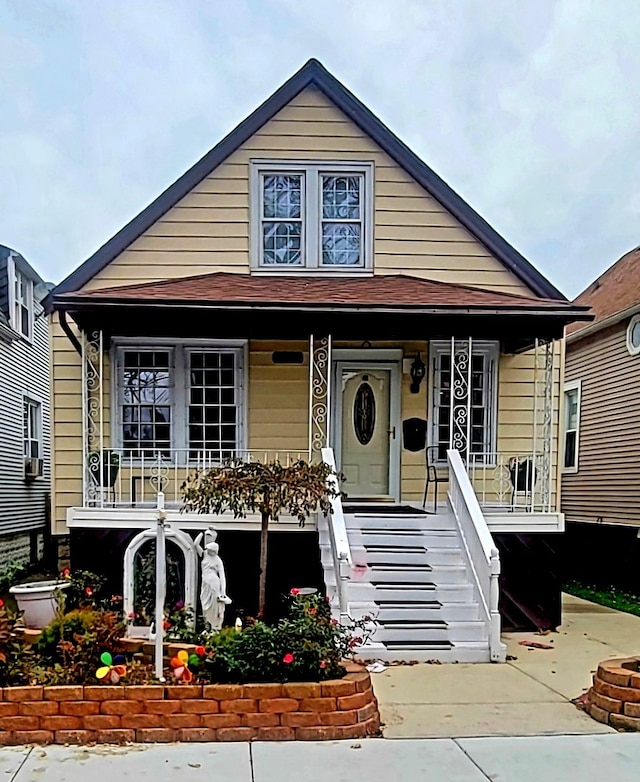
341, 197
145, 396
282, 243
206, 413
281, 196
570, 449
571, 402
341, 244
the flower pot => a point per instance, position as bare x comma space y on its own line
37, 601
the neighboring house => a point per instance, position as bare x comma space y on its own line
310, 288
24, 410
601, 430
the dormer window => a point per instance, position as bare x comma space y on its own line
312, 217
20, 300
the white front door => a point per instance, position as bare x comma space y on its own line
366, 430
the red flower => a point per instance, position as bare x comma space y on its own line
88, 591
295, 591
288, 658
200, 651
323, 663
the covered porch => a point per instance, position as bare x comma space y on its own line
389, 372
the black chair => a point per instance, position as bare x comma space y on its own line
431, 454
523, 477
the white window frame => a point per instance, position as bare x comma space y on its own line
179, 351
15, 276
311, 214
32, 436
489, 349
573, 385
633, 350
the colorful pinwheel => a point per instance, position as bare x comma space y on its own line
180, 665
112, 668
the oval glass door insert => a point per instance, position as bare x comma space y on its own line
364, 413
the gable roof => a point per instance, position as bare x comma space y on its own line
313, 73
612, 295
384, 292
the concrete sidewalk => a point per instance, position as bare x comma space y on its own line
553, 759
530, 695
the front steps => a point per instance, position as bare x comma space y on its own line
411, 578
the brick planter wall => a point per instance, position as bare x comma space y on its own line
337, 709
615, 696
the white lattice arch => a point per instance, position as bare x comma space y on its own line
189, 552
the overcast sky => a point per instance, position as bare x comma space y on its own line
530, 110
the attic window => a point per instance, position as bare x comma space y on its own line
633, 335
312, 216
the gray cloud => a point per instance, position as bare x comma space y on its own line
529, 110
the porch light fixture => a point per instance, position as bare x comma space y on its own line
417, 373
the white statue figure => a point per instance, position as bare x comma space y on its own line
213, 589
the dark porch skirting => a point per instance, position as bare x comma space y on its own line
531, 581
294, 561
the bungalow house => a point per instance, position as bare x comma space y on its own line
311, 289
601, 431
24, 410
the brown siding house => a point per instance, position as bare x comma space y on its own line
601, 456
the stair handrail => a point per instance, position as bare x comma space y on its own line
482, 554
340, 547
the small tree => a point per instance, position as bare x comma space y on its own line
268, 489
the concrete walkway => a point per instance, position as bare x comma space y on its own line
530, 695
552, 759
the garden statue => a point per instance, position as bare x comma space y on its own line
213, 589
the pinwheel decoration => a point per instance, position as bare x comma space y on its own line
180, 665
112, 668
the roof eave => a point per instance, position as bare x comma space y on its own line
599, 325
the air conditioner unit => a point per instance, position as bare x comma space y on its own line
32, 468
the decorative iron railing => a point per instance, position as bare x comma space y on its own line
133, 478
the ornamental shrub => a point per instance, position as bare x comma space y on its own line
306, 645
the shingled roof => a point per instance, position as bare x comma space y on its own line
305, 291
614, 292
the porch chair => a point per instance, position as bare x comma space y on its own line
522, 474
431, 454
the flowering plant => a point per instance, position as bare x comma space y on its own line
306, 645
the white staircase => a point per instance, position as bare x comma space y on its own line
409, 576
429, 581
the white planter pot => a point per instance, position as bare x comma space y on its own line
37, 601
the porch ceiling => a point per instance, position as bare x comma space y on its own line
294, 306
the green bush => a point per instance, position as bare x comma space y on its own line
70, 647
307, 645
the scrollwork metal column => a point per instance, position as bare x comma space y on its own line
319, 394
460, 412
92, 417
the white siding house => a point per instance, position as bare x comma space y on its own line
25, 478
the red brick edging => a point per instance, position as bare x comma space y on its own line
615, 696
337, 709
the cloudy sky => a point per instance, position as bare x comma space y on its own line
528, 109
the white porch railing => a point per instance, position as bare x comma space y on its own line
514, 482
340, 548
122, 478
482, 554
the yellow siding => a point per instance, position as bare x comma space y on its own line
209, 231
